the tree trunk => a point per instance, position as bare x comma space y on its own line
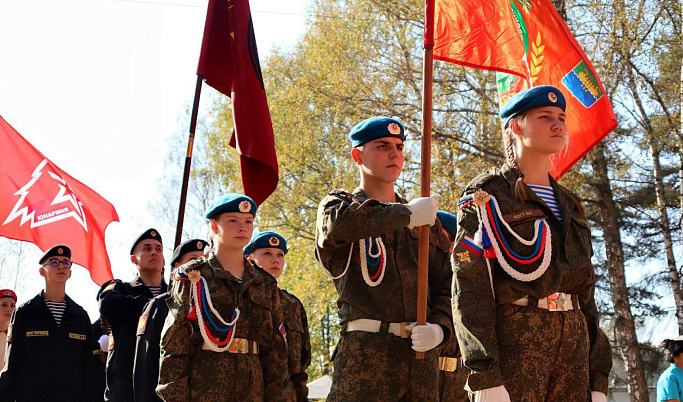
627, 341
674, 277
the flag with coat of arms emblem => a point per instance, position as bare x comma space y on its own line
42, 204
528, 44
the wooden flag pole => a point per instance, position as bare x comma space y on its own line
426, 166
188, 162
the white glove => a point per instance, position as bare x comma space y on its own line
597, 396
423, 212
104, 342
495, 394
425, 337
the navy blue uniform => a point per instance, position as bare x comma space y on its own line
47, 362
146, 366
121, 303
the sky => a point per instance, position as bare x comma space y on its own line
98, 87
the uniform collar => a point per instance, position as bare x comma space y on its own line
565, 200
361, 196
250, 272
137, 281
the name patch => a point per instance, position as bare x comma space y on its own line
527, 213
80, 337
37, 333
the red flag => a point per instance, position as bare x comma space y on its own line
229, 62
530, 40
41, 204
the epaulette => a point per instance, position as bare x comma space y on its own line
261, 270
291, 295
109, 285
180, 274
342, 194
466, 201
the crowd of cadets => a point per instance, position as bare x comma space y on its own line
511, 314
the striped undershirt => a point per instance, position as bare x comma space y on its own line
548, 196
156, 290
57, 310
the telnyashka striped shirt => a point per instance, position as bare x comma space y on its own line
548, 196
156, 290
57, 310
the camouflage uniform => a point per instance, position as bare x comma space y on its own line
452, 382
382, 366
537, 354
298, 342
189, 373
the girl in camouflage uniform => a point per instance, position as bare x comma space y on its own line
523, 285
223, 340
268, 250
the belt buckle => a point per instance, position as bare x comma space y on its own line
557, 302
239, 345
404, 332
449, 364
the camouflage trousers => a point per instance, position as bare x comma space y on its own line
543, 354
452, 385
382, 367
225, 377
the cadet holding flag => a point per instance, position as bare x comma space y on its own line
368, 243
49, 341
524, 306
268, 251
222, 339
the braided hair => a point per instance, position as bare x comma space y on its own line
510, 156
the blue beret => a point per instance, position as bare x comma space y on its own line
147, 234
231, 203
266, 240
56, 251
448, 221
188, 247
374, 128
542, 95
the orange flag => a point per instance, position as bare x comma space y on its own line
531, 45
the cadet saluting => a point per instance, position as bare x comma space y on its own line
367, 241
524, 307
268, 251
222, 339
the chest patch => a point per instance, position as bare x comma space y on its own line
80, 337
37, 333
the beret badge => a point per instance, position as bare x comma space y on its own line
274, 241
60, 250
552, 96
199, 245
394, 129
245, 206
153, 233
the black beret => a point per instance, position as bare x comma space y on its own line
188, 247
147, 234
56, 251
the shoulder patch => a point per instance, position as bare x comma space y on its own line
142, 323
467, 252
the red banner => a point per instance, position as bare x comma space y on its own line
528, 38
41, 204
229, 62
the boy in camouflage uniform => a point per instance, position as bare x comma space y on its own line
268, 250
367, 241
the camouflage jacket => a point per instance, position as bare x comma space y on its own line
342, 222
298, 342
186, 371
570, 271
